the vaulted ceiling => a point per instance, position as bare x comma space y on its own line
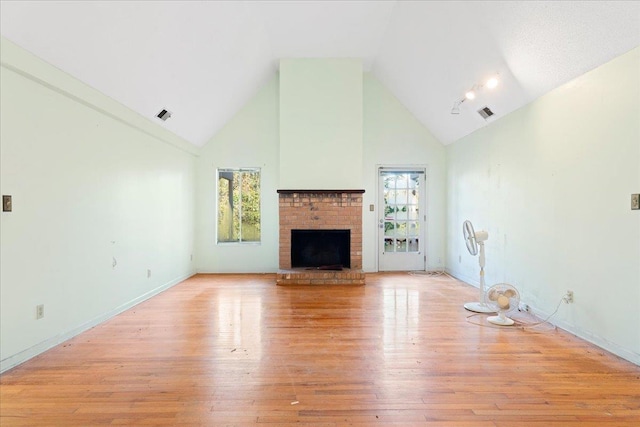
203, 60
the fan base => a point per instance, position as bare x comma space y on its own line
500, 321
478, 307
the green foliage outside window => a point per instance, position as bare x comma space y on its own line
238, 205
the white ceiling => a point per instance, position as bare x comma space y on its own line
203, 60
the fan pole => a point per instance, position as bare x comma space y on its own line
480, 307
482, 261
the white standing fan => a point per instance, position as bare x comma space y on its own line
475, 240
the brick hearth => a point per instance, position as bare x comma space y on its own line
320, 210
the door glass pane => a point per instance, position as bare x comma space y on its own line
401, 229
388, 244
413, 228
389, 229
401, 212
412, 212
401, 196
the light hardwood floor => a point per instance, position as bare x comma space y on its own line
236, 350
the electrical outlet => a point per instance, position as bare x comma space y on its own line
568, 297
148, 273
524, 307
39, 311
635, 202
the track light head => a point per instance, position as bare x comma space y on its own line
492, 83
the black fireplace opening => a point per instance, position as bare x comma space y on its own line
321, 248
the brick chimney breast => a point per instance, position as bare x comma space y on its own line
320, 210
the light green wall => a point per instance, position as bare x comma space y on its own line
394, 137
551, 183
320, 124
250, 139
91, 182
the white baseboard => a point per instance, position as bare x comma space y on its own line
23, 356
468, 280
589, 337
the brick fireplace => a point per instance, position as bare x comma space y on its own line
320, 210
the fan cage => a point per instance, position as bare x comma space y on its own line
500, 289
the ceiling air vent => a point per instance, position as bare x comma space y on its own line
485, 112
163, 115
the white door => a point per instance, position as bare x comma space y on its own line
401, 226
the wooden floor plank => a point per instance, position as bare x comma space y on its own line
236, 350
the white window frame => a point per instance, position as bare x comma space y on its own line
217, 201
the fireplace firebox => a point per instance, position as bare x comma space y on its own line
321, 248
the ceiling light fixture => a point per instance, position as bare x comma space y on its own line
471, 94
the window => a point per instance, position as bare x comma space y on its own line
238, 205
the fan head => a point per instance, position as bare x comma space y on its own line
503, 298
470, 237
481, 236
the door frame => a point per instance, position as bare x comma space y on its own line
401, 167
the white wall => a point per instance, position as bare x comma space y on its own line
393, 136
91, 181
551, 183
320, 124
250, 139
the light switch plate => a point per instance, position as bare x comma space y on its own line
635, 202
6, 204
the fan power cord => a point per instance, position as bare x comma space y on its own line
431, 273
530, 325
519, 324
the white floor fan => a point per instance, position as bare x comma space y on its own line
475, 240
